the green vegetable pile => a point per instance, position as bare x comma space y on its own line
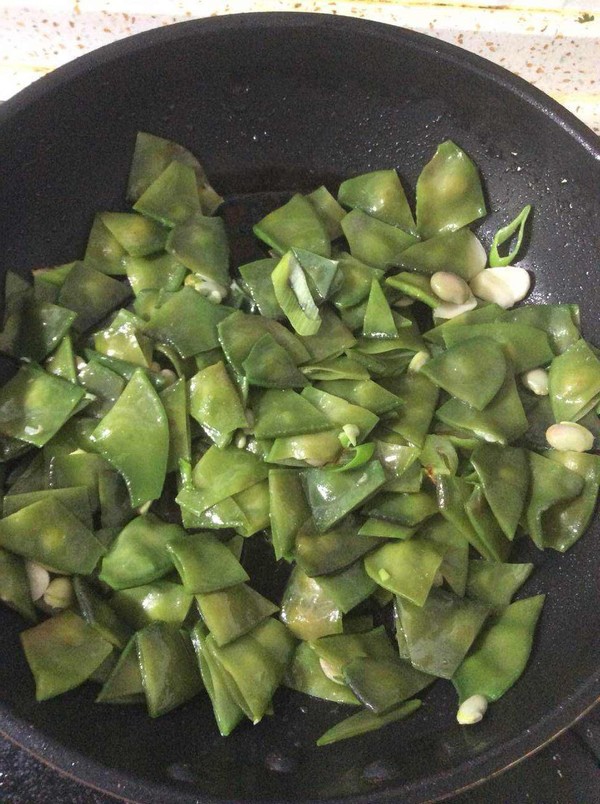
166, 414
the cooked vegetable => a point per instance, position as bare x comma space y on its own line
285, 424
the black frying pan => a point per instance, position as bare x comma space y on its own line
285, 102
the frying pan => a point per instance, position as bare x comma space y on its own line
278, 103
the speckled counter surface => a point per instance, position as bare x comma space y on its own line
554, 44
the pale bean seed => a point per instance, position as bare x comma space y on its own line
569, 437
418, 361
241, 440
59, 594
536, 380
472, 710
404, 301
38, 578
452, 310
450, 288
505, 285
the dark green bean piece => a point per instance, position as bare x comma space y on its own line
559, 322
380, 195
269, 365
200, 243
91, 295
230, 613
551, 483
33, 328
460, 249
99, 613
525, 346
574, 382
294, 225
372, 241
311, 449
383, 685
174, 400
75, 498
406, 568
306, 675
323, 553
215, 404
420, 397
256, 279
14, 585
307, 609
363, 393
328, 210
136, 234
404, 509
504, 476
495, 583
355, 278
280, 413
486, 525
288, 510
340, 412
455, 548
103, 252
565, 523
160, 600
124, 684
364, 722
172, 197
204, 563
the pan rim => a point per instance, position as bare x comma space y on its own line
473, 771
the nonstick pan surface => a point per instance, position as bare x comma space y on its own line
278, 103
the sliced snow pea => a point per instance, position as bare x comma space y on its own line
307, 609
124, 684
373, 241
172, 197
397, 460
349, 587
417, 286
170, 673
157, 272
495, 583
355, 278
75, 498
323, 553
574, 382
449, 192
135, 233
62, 653
504, 234
381, 529
438, 456
564, 523
220, 473
188, 322
280, 413
294, 225
61, 362
47, 532
174, 400
294, 296
288, 510
67, 469
104, 384
14, 585
99, 613
455, 550
103, 252
229, 613
269, 365
337, 411
365, 721
139, 553
420, 397
160, 600
215, 404
33, 328
152, 155
459, 251
328, 210
486, 525
333, 495
91, 295
125, 369
406, 568
380, 195
204, 563
332, 339
320, 273
312, 449
254, 504
256, 281
472, 371
383, 685
479, 315
405, 509
306, 675
363, 393
226, 711
551, 483
200, 243
34, 405
504, 476
500, 653
378, 321
440, 632
525, 346
502, 421
559, 322
134, 438
123, 340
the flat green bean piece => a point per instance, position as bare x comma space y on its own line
332, 339
269, 365
170, 673
323, 553
320, 273
294, 296
355, 278
160, 600
174, 400
472, 371
307, 609
188, 322
574, 382
67, 469
406, 568
363, 393
125, 369
306, 675
124, 684
280, 413
91, 295
139, 554
157, 272
559, 322
453, 546
134, 438
379, 194
379, 321
440, 632
172, 197
500, 654
226, 711
215, 404
200, 243
220, 473
449, 192
338, 650
104, 384
254, 503
479, 315
373, 241
123, 340
397, 460
417, 286
62, 653
312, 449
333, 495
551, 483
14, 585
337, 411
525, 346
486, 525
103, 252
420, 397
75, 498
34, 405
565, 523
460, 251
504, 234
502, 421
99, 613
230, 613
365, 722
380, 529
349, 587
405, 509
504, 476
328, 210
204, 563
383, 685
496, 583
47, 532
61, 362
33, 328
256, 280
438, 457
135, 233
294, 225
288, 510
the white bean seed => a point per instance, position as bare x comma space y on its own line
450, 287
418, 361
472, 710
452, 310
38, 578
569, 437
505, 285
241, 440
404, 301
536, 380
169, 375
59, 594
